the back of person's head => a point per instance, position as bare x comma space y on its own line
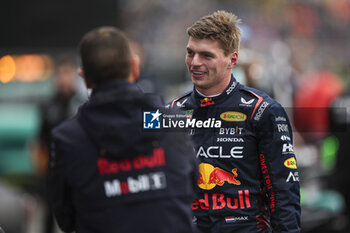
221, 26
105, 55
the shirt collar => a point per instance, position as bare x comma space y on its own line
205, 101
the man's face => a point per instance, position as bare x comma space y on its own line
209, 68
65, 79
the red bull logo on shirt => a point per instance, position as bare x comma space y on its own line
210, 176
207, 101
218, 201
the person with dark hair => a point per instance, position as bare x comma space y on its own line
106, 173
61, 106
248, 177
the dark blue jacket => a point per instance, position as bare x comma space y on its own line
248, 178
108, 175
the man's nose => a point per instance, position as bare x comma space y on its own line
196, 60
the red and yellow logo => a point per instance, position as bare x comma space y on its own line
210, 176
233, 116
207, 101
291, 163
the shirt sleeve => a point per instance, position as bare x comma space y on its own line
279, 173
59, 190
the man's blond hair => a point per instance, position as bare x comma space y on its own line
221, 26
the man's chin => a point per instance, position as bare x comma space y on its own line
198, 81
199, 85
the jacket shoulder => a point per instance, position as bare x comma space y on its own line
264, 103
249, 91
68, 129
172, 103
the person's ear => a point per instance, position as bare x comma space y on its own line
233, 60
135, 68
87, 83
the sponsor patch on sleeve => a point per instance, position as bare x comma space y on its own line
261, 110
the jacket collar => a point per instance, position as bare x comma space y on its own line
112, 85
109, 91
203, 102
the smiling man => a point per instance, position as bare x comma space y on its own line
248, 178
210, 70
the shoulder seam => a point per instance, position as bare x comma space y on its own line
178, 98
260, 99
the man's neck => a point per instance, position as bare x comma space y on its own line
212, 92
200, 93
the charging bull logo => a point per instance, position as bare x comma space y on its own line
210, 176
207, 101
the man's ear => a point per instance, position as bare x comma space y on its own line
87, 83
135, 68
233, 60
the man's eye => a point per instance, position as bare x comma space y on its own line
208, 56
190, 53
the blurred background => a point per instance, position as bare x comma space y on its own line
298, 51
